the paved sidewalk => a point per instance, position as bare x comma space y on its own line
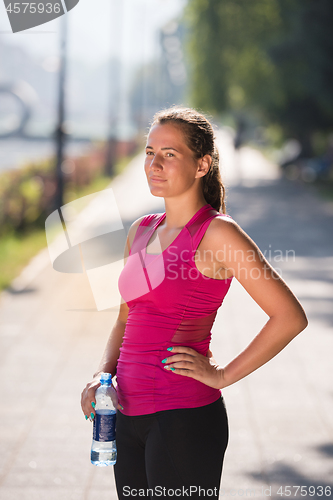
281, 425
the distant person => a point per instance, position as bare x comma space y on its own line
239, 138
172, 427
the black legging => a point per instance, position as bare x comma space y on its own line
171, 453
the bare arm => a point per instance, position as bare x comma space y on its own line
108, 362
111, 353
287, 318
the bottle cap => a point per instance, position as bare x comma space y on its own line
106, 378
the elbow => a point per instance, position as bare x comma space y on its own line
293, 321
301, 322
304, 323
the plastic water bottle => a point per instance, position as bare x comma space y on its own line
103, 449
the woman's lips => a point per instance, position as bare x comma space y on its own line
157, 179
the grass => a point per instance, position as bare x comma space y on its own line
15, 253
16, 250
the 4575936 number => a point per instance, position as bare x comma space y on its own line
304, 491
33, 7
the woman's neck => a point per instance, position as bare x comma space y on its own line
179, 213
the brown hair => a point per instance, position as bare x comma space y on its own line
199, 136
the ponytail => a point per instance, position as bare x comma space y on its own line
212, 185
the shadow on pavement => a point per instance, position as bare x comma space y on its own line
285, 215
326, 449
282, 476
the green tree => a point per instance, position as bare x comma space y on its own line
272, 56
303, 55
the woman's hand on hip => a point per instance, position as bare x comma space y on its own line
189, 363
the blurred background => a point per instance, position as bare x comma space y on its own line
77, 94
76, 98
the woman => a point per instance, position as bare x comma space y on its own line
172, 428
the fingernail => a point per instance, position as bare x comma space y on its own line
169, 349
93, 404
121, 406
92, 415
172, 369
86, 417
164, 360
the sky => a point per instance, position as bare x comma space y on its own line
94, 30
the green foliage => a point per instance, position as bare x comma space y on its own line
25, 197
26, 194
226, 49
15, 252
274, 56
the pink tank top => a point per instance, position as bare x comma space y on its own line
170, 303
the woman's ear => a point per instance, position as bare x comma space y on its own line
204, 164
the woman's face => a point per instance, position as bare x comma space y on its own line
170, 166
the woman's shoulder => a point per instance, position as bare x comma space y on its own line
222, 227
144, 220
148, 220
225, 230
222, 221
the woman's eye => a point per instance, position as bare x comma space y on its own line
170, 154
149, 153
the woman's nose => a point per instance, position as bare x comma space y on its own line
155, 162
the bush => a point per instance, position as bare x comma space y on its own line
26, 195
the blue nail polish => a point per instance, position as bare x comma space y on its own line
92, 415
173, 369
93, 405
164, 360
86, 417
169, 349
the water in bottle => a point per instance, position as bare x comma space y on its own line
103, 449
